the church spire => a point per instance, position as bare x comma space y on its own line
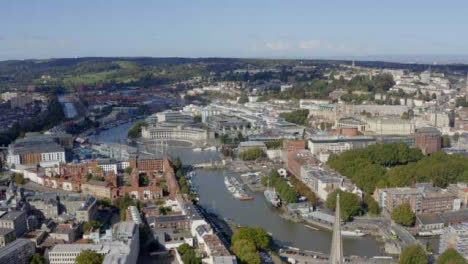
336, 252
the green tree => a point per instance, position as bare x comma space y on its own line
143, 179
197, 118
405, 116
135, 130
243, 99
88, 256
298, 117
413, 254
179, 174
177, 163
349, 203
188, 254
368, 166
123, 203
371, 205
257, 235
303, 190
17, 178
451, 256
97, 178
36, 259
91, 225
88, 176
446, 141
190, 257
246, 252
223, 139
403, 215
106, 202
251, 154
182, 249
461, 101
286, 193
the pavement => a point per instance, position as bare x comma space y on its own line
386, 225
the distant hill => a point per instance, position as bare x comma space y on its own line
145, 71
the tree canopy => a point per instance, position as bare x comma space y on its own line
17, 178
91, 225
286, 193
257, 235
298, 117
135, 130
246, 252
88, 256
251, 154
397, 165
403, 215
247, 241
413, 254
451, 256
350, 205
243, 99
36, 259
188, 254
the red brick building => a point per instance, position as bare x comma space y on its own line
428, 139
346, 131
298, 159
293, 145
147, 164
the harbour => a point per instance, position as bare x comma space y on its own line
215, 198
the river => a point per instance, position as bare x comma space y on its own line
215, 197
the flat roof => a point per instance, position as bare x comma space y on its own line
251, 143
75, 248
427, 219
12, 215
4, 231
13, 246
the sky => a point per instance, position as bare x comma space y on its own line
232, 28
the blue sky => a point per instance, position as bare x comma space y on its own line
225, 28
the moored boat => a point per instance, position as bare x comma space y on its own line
355, 233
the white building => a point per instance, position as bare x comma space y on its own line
35, 152
171, 116
179, 132
389, 126
318, 144
319, 181
455, 237
119, 246
108, 165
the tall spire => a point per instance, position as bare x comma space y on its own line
336, 252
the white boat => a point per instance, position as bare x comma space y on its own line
234, 187
311, 227
355, 233
227, 182
431, 233
250, 174
271, 195
213, 148
197, 149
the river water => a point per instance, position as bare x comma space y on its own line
215, 197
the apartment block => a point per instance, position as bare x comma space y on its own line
17, 252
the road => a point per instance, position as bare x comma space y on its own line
386, 226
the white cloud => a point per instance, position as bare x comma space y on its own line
278, 45
309, 44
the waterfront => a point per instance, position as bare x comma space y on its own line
215, 197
